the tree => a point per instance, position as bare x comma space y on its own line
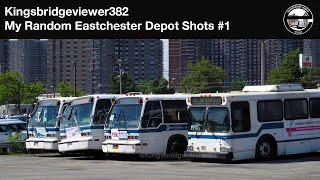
126, 80
203, 76
14, 91
237, 84
157, 86
289, 71
11, 88
310, 77
66, 90
33, 90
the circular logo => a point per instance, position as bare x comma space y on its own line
298, 19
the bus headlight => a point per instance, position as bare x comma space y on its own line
86, 134
225, 149
190, 148
133, 137
51, 135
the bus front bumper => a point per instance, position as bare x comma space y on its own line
82, 144
44, 144
228, 156
127, 147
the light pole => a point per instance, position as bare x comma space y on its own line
91, 70
54, 92
120, 73
263, 61
75, 76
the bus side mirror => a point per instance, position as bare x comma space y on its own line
31, 109
96, 119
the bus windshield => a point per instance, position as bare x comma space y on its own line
77, 115
216, 119
124, 116
197, 118
44, 116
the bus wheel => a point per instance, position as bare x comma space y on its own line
265, 149
176, 146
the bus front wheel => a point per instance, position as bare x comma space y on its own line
266, 148
176, 146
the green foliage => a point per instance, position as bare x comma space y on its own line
157, 86
14, 91
80, 93
203, 76
11, 87
33, 90
310, 77
237, 84
290, 72
66, 90
126, 80
18, 146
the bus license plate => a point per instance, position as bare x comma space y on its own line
115, 146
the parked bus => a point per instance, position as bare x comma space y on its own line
44, 122
147, 124
260, 122
82, 123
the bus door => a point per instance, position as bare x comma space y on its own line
176, 118
151, 122
241, 127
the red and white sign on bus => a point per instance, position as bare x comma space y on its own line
305, 61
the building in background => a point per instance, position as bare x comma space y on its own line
4, 56
95, 59
184, 51
311, 47
240, 58
29, 57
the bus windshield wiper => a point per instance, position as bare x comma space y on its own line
118, 119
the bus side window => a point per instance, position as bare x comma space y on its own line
175, 111
152, 116
240, 114
102, 108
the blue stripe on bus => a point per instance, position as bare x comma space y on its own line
263, 127
47, 128
52, 129
86, 128
160, 129
91, 127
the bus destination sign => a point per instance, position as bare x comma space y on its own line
206, 100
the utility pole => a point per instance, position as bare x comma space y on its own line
120, 73
54, 92
91, 70
75, 76
263, 61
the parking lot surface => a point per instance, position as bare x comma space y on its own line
55, 166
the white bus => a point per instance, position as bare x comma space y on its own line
147, 124
260, 122
43, 125
83, 121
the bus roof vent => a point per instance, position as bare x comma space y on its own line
133, 93
274, 88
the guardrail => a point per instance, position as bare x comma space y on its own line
6, 146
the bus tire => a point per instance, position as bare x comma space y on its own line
176, 145
266, 148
